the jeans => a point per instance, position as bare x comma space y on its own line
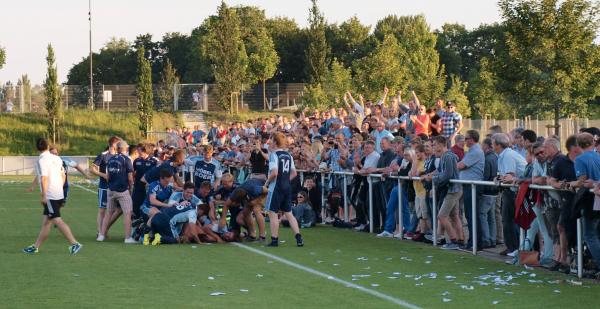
467, 197
487, 221
511, 240
539, 224
391, 211
590, 235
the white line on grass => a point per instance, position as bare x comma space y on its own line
83, 188
330, 277
389, 298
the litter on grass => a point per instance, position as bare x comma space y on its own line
556, 291
360, 276
446, 293
374, 284
495, 302
217, 294
362, 258
446, 300
243, 290
259, 276
467, 287
211, 278
392, 277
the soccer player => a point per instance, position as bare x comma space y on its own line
99, 169
168, 222
141, 165
158, 193
49, 169
221, 195
246, 199
208, 169
173, 164
119, 172
281, 172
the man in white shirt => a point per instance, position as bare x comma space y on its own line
51, 175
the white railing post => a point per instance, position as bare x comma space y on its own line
301, 175
579, 249
474, 218
370, 182
345, 198
434, 214
400, 215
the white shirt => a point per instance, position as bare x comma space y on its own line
371, 160
51, 166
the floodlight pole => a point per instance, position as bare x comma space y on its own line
91, 99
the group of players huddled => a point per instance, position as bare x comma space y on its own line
159, 207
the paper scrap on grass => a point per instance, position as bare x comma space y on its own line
446, 300
259, 276
446, 293
360, 276
243, 290
211, 278
419, 284
467, 287
396, 273
319, 261
392, 277
556, 291
362, 258
194, 247
330, 278
374, 284
217, 294
495, 302
336, 264
193, 285
404, 258
427, 262
75, 275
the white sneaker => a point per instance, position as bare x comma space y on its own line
385, 234
360, 227
513, 254
130, 241
100, 237
398, 235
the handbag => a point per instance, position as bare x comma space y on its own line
530, 258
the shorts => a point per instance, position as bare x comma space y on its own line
102, 198
421, 207
565, 214
450, 205
161, 224
145, 209
52, 208
122, 199
551, 217
233, 224
279, 200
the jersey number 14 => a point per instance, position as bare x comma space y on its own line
286, 165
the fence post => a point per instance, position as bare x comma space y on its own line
175, 98
277, 95
579, 248
400, 216
370, 181
434, 214
345, 198
205, 98
323, 204
474, 218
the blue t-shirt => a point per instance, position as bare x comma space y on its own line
588, 164
162, 193
177, 197
283, 162
101, 161
118, 169
154, 173
206, 171
173, 211
141, 166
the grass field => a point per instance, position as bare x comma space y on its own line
339, 268
82, 132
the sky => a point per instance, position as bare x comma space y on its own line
28, 26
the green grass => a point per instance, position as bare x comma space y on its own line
82, 132
112, 274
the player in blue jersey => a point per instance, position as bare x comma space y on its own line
173, 164
99, 169
158, 194
245, 199
279, 198
207, 169
143, 163
167, 224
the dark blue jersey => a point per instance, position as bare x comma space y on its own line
141, 166
206, 171
175, 210
283, 162
162, 193
101, 161
153, 174
118, 169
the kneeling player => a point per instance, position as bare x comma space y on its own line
246, 199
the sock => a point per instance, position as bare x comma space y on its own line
453, 241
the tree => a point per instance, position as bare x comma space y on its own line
290, 44
337, 81
52, 92
314, 97
144, 92
227, 54
484, 95
26, 84
176, 47
114, 64
456, 94
168, 81
552, 61
383, 67
200, 67
262, 57
350, 40
2, 57
420, 57
317, 52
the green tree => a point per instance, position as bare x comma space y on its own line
383, 67
456, 94
484, 95
2, 57
144, 92
290, 44
420, 57
317, 53
199, 67
262, 56
228, 55
552, 61
350, 40
314, 97
26, 84
337, 81
168, 81
52, 93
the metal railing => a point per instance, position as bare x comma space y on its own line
472, 183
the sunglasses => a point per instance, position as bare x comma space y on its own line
300, 196
539, 153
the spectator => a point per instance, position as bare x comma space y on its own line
451, 122
459, 147
379, 134
488, 195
